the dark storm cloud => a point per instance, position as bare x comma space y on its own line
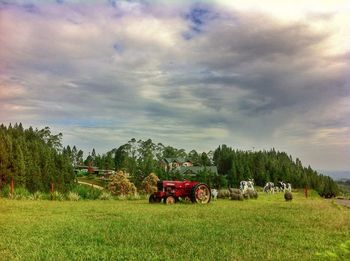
274, 62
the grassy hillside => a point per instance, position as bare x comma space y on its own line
264, 229
92, 180
344, 187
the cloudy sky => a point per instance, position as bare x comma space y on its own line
190, 74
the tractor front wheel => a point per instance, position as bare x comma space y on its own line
201, 194
170, 200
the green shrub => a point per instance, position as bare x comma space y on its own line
21, 193
72, 196
94, 193
105, 196
86, 192
136, 196
5, 192
56, 195
121, 197
38, 196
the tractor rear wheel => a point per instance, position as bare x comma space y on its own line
153, 199
201, 194
169, 200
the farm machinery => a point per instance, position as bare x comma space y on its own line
171, 191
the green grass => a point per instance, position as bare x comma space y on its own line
93, 180
264, 229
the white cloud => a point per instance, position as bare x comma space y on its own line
193, 75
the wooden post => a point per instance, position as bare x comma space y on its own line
52, 189
305, 191
12, 187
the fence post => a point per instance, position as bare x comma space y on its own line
52, 189
12, 187
305, 191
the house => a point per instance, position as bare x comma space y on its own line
174, 163
103, 173
186, 167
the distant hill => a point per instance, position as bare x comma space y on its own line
337, 175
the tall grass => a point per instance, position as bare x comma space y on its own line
264, 229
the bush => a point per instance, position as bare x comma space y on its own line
121, 185
149, 184
72, 196
38, 196
288, 196
105, 196
20, 193
136, 196
121, 197
86, 192
56, 195
5, 192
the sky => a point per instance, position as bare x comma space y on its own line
253, 75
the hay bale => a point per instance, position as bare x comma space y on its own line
235, 196
250, 193
149, 184
288, 196
236, 191
255, 195
223, 193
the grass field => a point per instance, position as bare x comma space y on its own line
264, 229
92, 180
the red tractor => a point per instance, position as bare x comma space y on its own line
171, 191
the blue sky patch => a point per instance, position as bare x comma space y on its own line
119, 47
198, 17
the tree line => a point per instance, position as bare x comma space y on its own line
139, 158
35, 158
272, 165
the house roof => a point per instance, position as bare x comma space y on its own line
179, 160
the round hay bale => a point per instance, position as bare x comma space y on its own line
223, 193
288, 196
251, 193
235, 196
236, 191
